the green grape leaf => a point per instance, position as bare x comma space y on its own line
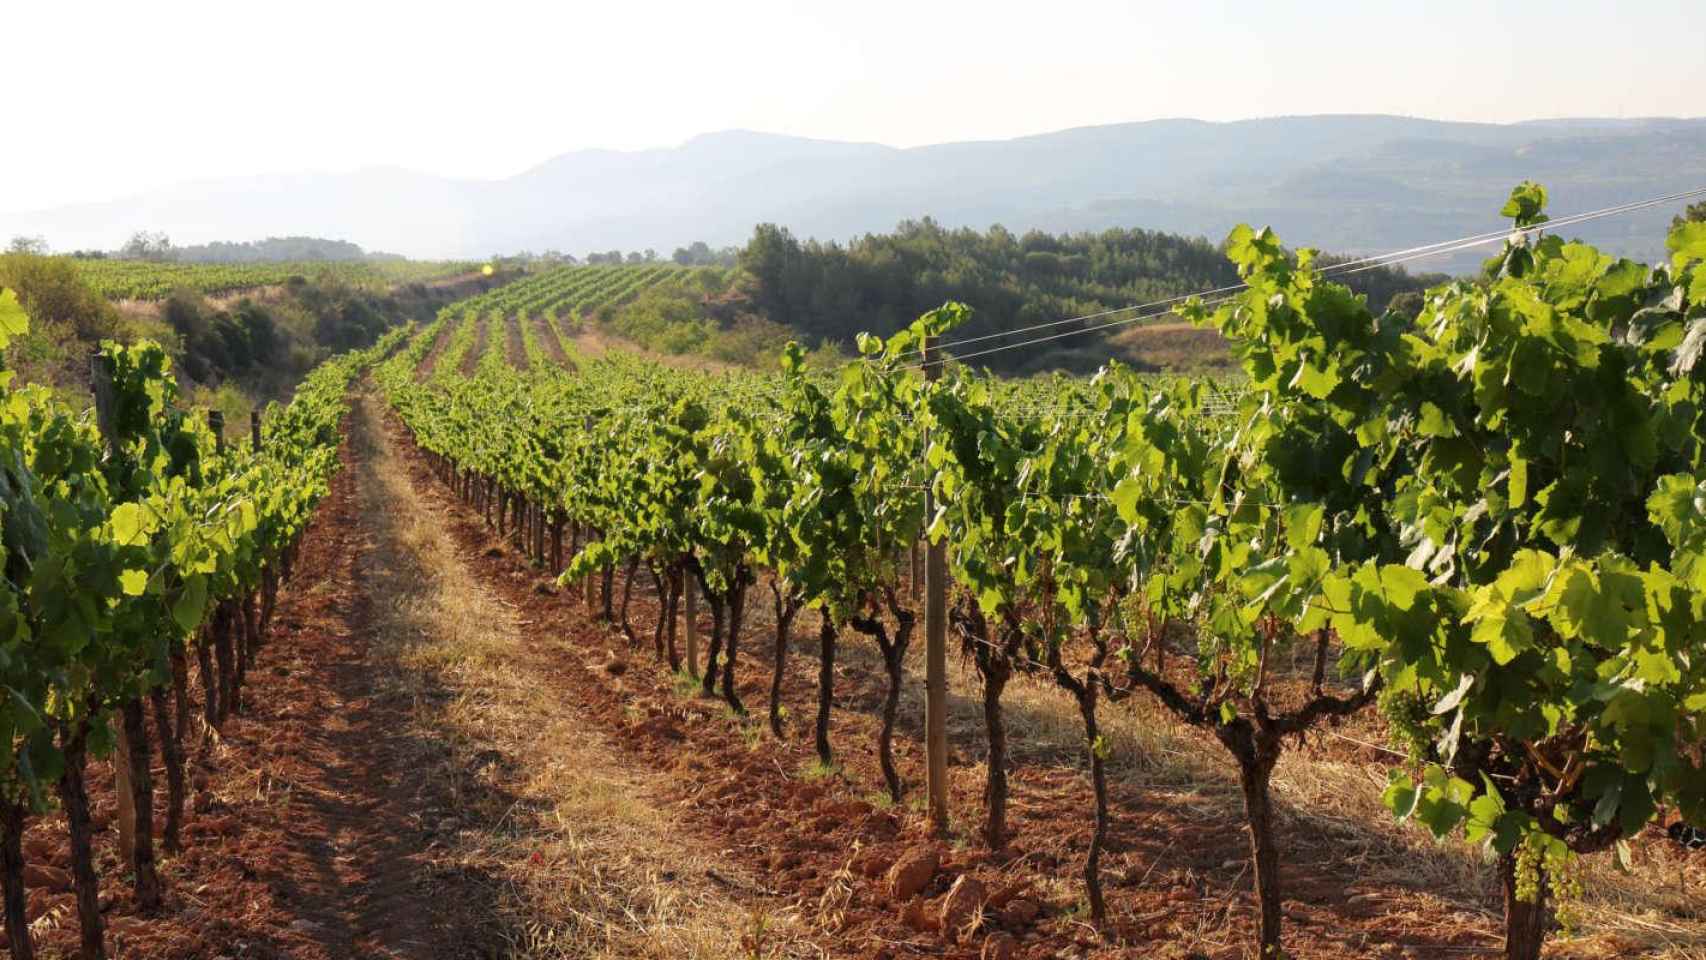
133, 582
132, 524
1687, 243
191, 603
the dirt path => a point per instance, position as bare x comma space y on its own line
515, 344
471, 359
548, 339
547, 840
429, 363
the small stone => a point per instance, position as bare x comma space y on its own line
962, 910
615, 666
912, 873
449, 825
305, 927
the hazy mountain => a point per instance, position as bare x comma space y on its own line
1344, 183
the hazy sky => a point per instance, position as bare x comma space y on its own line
105, 98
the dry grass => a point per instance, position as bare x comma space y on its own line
579, 853
1175, 347
592, 342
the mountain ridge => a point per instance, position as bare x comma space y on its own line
1351, 183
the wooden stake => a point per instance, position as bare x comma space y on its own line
690, 607
935, 645
216, 423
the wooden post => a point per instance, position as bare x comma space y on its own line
935, 644
255, 430
586, 581
690, 608
216, 423
101, 383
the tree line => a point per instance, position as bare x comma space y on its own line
878, 283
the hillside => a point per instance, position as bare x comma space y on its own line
1348, 183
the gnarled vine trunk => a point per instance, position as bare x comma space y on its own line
825, 686
1257, 751
180, 692
663, 611
708, 682
894, 658
13, 816
737, 611
1525, 922
171, 751
995, 677
74, 798
146, 880
209, 681
627, 595
607, 584
1084, 693
787, 606
222, 655
995, 667
1099, 782
673, 581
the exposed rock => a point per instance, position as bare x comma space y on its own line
1000, 946
912, 872
962, 909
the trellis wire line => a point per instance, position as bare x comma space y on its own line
1225, 294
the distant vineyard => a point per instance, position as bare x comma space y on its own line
565, 291
146, 280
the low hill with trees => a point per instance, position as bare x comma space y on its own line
828, 292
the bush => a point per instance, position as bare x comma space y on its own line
56, 297
751, 342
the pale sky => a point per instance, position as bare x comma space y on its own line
103, 99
